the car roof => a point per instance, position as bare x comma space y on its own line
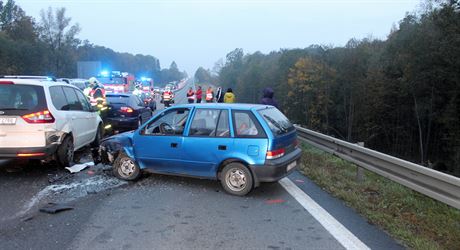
36, 81
240, 106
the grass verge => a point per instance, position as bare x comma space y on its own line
414, 219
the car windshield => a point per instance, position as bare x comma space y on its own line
278, 123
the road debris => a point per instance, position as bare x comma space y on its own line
53, 208
79, 167
274, 201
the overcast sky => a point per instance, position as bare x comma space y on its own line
199, 32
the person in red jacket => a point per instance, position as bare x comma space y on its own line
191, 96
199, 94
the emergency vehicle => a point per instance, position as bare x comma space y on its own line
116, 81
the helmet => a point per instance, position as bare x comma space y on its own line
93, 82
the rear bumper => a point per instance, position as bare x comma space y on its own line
12, 153
119, 123
274, 170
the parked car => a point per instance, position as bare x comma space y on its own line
126, 111
43, 119
241, 145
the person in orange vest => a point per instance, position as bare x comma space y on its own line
167, 97
191, 96
209, 95
198, 94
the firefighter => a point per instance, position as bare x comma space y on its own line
209, 95
97, 98
168, 97
191, 96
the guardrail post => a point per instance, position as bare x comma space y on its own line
359, 170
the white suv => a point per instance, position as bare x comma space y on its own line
43, 119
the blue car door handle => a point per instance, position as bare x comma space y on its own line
173, 145
222, 147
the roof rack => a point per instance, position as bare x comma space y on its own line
49, 78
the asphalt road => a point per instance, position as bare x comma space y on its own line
165, 212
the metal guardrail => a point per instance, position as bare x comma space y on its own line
437, 185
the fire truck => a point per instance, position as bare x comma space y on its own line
116, 81
147, 85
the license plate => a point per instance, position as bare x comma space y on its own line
291, 165
7, 120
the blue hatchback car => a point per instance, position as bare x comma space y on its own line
241, 145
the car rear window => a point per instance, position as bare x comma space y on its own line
21, 99
117, 99
278, 123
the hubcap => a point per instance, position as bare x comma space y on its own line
235, 179
126, 168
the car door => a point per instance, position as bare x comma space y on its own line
158, 145
207, 142
90, 118
250, 139
75, 116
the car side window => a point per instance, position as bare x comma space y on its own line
58, 98
204, 122
171, 122
83, 100
245, 125
72, 100
223, 126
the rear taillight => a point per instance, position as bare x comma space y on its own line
39, 117
126, 109
29, 154
6, 82
273, 154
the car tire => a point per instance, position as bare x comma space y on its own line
98, 138
236, 179
65, 152
126, 168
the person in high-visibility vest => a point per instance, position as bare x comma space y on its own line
209, 95
229, 97
167, 97
191, 96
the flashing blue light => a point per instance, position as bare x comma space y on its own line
49, 78
104, 73
143, 79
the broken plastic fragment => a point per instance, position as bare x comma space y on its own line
79, 167
52, 208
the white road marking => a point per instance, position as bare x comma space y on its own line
337, 230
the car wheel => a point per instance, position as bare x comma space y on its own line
125, 168
97, 139
65, 152
236, 179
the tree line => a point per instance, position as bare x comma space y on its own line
400, 95
51, 47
